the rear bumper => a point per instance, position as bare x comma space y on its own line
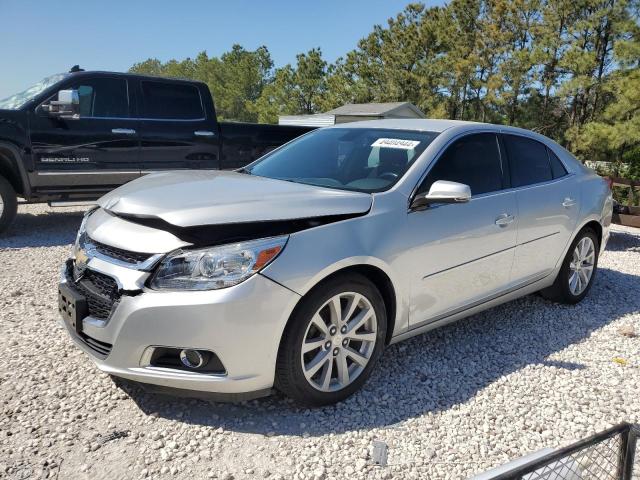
242, 325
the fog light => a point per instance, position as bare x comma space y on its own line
191, 358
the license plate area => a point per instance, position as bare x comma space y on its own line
72, 307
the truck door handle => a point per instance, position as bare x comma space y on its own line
204, 133
568, 202
123, 131
504, 220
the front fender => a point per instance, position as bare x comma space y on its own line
313, 255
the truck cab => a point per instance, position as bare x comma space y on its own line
75, 136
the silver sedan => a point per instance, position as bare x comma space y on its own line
296, 271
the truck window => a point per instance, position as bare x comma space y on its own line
103, 97
171, 101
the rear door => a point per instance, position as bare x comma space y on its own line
99, 150
463, 253
175, 131
547, 206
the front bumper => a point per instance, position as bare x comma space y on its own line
242, 325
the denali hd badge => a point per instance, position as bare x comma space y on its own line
65, 159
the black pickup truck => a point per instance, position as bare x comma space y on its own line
75, 136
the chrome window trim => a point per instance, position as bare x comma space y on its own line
524, 134
497, 192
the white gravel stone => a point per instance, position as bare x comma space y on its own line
523, 376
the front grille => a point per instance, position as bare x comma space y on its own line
119, 254
101, 292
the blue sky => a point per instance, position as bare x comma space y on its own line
41, 38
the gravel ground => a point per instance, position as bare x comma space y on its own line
451, 403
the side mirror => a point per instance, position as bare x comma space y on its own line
442, 191
66, 107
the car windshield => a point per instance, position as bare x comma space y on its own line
19, 99
360, 159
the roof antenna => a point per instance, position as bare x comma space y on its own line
76, 68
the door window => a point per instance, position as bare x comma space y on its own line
171, 101
473, 160
528, 161
103, 97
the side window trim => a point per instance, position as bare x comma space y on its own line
504, 163
442, 151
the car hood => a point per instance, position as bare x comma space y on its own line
197, 198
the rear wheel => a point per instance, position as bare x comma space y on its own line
578, 270
8, 204
332, 342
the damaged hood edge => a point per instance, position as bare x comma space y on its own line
198, 198
211, 208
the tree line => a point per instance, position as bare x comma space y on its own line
565, 68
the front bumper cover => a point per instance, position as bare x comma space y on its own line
242, 324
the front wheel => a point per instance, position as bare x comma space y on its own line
332, 341
578, 270
8, 204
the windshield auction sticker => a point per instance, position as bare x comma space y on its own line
396, 143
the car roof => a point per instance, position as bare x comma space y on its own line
419, 124
434, 125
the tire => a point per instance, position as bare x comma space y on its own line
304, 325
561, 291
8, 204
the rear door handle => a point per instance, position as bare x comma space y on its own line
568, 202
123, 131
204, 133
504, 220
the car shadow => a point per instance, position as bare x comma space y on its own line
46, 229
624, 241
434, 371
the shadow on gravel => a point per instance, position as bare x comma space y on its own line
624, 241
48, 229
434, 371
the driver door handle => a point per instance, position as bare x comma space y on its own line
504, 220
204, 133
123, 131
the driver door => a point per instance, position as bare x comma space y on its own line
463, 252
97, 151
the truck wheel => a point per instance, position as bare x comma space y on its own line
332, 342
8, 204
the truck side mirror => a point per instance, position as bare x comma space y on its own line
67, 106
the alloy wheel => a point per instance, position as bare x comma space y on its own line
1, 206
581, 266
339, 341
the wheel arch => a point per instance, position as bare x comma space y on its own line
596, 227
378, 277
10, 168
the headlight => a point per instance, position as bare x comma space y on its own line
216, 267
